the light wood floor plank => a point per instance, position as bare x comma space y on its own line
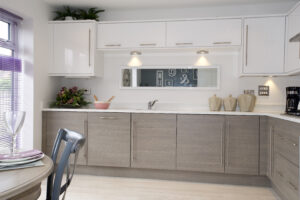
85, 187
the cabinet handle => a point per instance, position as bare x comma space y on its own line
271, 151
148, 44
86, 135
247, 38
112, 118
112, 45
292, 185
216, 43
184, 43
89, 47
132, 142
227, 144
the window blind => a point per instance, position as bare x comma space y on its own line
10, 94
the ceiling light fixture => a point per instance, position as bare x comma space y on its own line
135, 61
202, 60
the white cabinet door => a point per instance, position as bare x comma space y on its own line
264, 45
73, 45
293, 48
128, 35
223, 32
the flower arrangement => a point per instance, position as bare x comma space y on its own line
70, 98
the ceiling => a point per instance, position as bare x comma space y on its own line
134, 4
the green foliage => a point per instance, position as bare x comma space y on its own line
66, 12
70, 98
90, 14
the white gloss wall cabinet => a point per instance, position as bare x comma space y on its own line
219, 32
293, 48
73, 49
264, 45
128, 35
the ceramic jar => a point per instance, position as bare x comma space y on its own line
247, 102
230, 103
215, 103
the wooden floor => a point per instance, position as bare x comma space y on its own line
85, 187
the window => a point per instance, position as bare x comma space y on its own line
10, 68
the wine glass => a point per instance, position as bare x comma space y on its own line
14, 121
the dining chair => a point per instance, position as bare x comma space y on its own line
73, 142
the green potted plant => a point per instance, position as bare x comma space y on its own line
66, 13
70, 98
90, 14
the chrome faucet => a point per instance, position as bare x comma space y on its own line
151, 104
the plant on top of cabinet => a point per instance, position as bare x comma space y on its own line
68, 13
70, 98
90, 14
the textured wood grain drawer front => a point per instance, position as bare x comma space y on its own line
200, 143
153, 142
286, 177
288, 146
109, 139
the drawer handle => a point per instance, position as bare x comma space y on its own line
147, 44
216, 43
113, 45
293, 186
112, 118
184, 43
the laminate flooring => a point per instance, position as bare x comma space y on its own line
85, 187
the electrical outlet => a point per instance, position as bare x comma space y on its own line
263, 90
87, 91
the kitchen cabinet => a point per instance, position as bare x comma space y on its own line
73, 121
293, 48
128, 35
242, 145
72, 49
200, 143
264, 45
219, 32
109, 139
153, 142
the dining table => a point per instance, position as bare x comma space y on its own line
24, 183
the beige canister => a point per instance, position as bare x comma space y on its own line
247, 102
230, 103
215, 103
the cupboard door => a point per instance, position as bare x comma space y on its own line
264, 45
242, 145
109, 139
73, 48
74, 121
153, 143
126, 35
293, 48
200, 143
223, 32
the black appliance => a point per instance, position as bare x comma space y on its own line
292, 100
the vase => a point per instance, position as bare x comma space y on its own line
215, 103
230, 103
247, 102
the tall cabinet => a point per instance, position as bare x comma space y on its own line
264, 45
73, 49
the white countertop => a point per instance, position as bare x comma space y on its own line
187, 112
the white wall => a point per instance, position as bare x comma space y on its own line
38, 87
198, 99
197, 12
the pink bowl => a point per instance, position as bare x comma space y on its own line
101, 105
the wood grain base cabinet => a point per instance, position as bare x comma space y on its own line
153, 141
74, 121
200, 143
109, 139
242, 145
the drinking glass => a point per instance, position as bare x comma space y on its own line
14, 121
